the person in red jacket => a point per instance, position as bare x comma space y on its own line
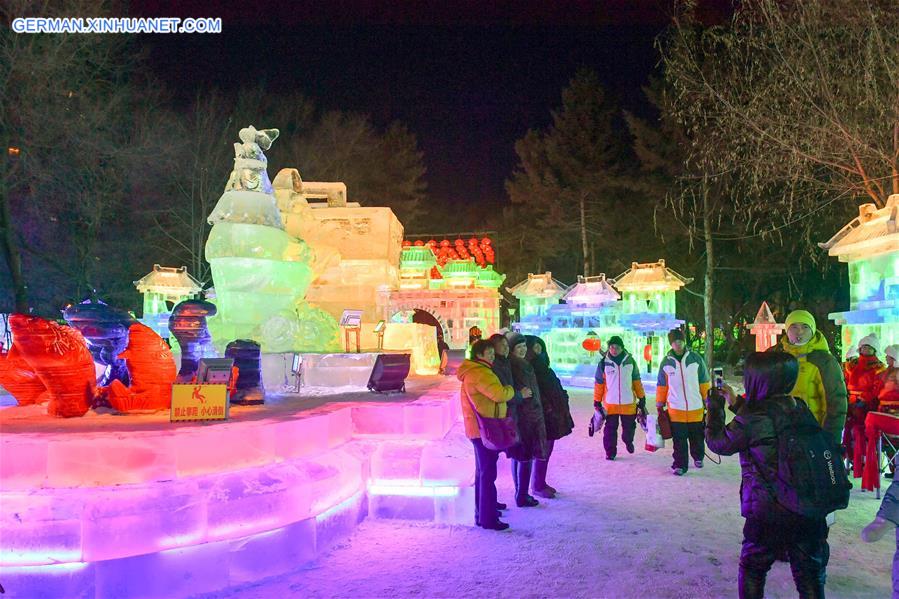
888, 398
864, 385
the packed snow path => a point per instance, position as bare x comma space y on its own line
618, 529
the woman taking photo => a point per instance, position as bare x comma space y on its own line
771, 530
482, 391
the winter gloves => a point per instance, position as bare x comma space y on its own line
641, 413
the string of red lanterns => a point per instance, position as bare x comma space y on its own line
480, 249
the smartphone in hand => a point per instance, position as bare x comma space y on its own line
718, 374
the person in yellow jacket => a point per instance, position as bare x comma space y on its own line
483, 391
618, 388
682, 387
821, 384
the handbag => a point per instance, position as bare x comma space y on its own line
665, 424
654, 440
497, 433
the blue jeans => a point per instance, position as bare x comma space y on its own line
484, 484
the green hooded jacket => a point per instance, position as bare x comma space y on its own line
820, 384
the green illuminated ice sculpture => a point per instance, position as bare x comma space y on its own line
261, 273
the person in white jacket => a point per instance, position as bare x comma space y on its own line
618, 389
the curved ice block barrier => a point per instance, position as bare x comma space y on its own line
120, 457
49, 526
187, 571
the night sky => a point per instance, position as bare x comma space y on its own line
468, 78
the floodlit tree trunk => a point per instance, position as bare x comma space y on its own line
584, 238
709, 276
11, 253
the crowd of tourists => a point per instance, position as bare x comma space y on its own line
799, 429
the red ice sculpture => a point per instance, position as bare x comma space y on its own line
58, 355
17, 377
152, 371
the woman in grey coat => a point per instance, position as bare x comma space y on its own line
529, 418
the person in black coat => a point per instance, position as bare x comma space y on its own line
771, 532
556, 413
529, 417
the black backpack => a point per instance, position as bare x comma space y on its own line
811, 479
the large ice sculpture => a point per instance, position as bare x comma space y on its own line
261, 273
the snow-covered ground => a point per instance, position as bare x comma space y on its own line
626, 528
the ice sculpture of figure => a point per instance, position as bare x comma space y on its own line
250, 389
20, 379
260, 272
106, 331
152, 370
250, 163
58, 355
188, 324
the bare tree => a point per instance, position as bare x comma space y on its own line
796, 95
72, 131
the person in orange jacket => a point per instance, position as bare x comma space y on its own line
618, 389
482, 390
682, 386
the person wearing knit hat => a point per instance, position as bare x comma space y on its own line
872, 343
821, 383
681, 388
676, 335
864, 383
529, 420
618, 391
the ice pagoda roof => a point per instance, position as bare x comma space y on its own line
871, 233
650, 276
538, 286
487, 277
592, 290
169, 280
417, 257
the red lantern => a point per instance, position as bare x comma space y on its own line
431, 243
592, 344
486, 241
407, 243
647, 352
458, 243
419, 243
